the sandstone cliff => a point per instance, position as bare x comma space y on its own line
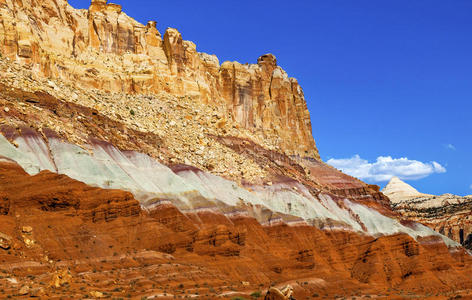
133, 166
301, 219
447, 214
105, 49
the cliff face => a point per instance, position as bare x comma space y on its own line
105, 49
447, 214
132, 165
298, 218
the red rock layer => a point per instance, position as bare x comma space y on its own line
62, 237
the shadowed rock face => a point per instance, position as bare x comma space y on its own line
104, 48
447, 214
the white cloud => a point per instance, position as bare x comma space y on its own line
386, 167
450, 147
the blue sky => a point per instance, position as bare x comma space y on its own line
388, 83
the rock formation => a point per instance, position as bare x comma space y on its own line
276, 294
133, 166
83, 241
447, 214
397, 190
104, 48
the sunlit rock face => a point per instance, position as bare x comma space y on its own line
128, 159
191, 189
103, 233
397, 190
91, 139
447, 214
105, 49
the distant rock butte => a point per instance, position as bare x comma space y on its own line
447, 214
105, 49
398, 190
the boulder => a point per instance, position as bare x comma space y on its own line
5, 241
275, 294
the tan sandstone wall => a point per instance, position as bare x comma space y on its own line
82, 46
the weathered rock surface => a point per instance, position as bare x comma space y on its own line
103, 48
90, 241
298, 199
5, 241
133, 166
276, 294
447, 214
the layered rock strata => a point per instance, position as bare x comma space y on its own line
303, 198
447, 214
133, 166
67, 239
103, 48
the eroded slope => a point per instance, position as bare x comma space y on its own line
61, 237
